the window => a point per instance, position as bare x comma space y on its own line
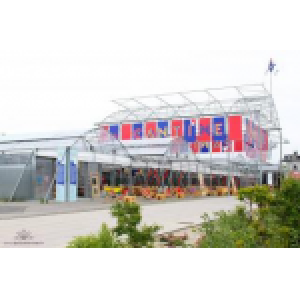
295, 167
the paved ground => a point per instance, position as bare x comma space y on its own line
56, 229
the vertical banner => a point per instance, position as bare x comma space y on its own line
254, 136
218, 129
114, 131
61, 177
204, 130
248, 139
235, 128
104, 133
264, 144
190, 131
177, 128
137, 131
265, 141
126, 131
151, 130
73, 175
163, 127
235, 133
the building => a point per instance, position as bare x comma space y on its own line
213, 137
292, 165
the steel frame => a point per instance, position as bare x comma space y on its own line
252, 100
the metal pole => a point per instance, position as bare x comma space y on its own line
211, 166
100, 174
229, 145
280, 162
189, 174
197, 172
130, 179
260, 152
171, 174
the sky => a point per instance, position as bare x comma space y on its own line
62, 62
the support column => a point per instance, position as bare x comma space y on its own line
171, 174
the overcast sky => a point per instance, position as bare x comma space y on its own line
61, 62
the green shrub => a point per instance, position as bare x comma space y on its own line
286, 207
128, 224
104, 239
228, 230
275, 223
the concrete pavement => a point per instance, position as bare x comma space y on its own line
56, 230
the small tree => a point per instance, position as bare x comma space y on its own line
128, 222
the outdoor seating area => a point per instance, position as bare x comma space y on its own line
124, 193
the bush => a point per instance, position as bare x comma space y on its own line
127, 233
286, 207
237, 230
228, 230
104, 239
275, 223
128, 222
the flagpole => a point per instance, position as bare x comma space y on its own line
271, 83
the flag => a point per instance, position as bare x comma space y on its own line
137, 131
204, 130
218, 129
151, 129
126, 131
177, 128
163, 127
271, 66
190, 130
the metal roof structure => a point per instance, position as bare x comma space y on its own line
252, 100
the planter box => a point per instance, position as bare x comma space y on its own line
161, 196
130, 199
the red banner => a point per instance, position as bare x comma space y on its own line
204, 130
151, 129
126, 131
177, 128
235, 128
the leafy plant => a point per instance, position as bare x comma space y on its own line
275, 223
104, 239
286, 206
128, 224
228, 230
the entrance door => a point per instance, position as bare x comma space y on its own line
95, 182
